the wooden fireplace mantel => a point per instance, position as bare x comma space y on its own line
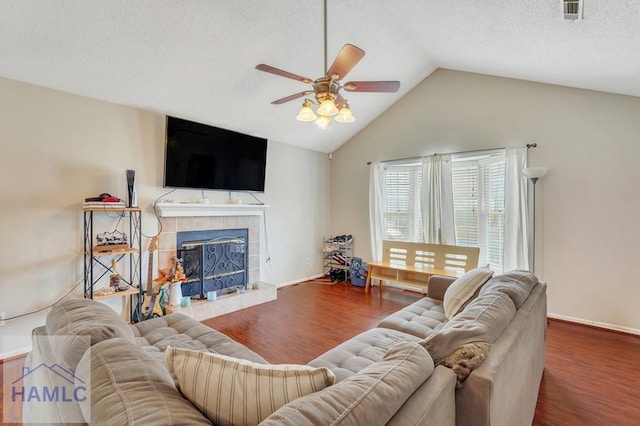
202, 209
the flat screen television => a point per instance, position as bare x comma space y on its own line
200, 156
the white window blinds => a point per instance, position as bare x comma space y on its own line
402, 189
478, 185
478, 194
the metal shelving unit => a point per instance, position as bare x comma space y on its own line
97, 264
337, 253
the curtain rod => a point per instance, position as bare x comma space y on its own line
529, 145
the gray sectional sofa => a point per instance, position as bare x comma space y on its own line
386, 375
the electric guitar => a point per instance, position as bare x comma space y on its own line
151, 305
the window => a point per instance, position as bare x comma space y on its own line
478, 198
402, 187
478, 183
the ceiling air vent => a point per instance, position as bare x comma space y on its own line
572, 9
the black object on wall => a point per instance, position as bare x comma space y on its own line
131, 191
199, 156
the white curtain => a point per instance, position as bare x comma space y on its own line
516, 241
437, 200
376, 209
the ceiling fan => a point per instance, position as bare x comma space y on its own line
326, 89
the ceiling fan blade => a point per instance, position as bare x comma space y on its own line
348, 57
372, 86
276, 71
292, 97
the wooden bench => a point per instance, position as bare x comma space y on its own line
413, 263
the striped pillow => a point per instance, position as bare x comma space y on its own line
231, 391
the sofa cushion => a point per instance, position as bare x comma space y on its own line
464, 289
370, 397
516, 284
420, 319
77, 324
483, 320
359, 352
179, 331
128, 386
231, 391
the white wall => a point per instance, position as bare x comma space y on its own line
57, 149
588, 231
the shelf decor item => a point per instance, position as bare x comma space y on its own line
132, 200
111, 241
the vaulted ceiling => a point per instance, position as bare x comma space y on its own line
196, 59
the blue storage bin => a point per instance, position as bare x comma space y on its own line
357, 281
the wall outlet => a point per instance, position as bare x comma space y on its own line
3, 316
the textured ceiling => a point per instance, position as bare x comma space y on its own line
196, 59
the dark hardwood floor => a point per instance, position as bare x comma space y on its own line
309, 319
591, 375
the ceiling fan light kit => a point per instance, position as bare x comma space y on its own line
306, 113
345, 115
324, 123
327, 88
327, 107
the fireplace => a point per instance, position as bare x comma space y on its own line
213, 260
185, 217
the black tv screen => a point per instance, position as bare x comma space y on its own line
205, 157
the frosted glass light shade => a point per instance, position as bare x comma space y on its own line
306, 113
327, 107
534, 172
345, 115
324, 123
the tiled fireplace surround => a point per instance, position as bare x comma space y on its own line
178, 217
172, 225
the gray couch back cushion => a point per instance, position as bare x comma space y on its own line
128, 386
482, 320
515, 284
75, 324
369, 397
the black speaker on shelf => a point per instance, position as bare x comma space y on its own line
131, 190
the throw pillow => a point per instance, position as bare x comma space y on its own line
464, 289
231, 391
483, 320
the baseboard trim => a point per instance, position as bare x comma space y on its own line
595, 324
288, 283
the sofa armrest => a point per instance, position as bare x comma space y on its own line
433, 403
128, 386
438, 285
503, 390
